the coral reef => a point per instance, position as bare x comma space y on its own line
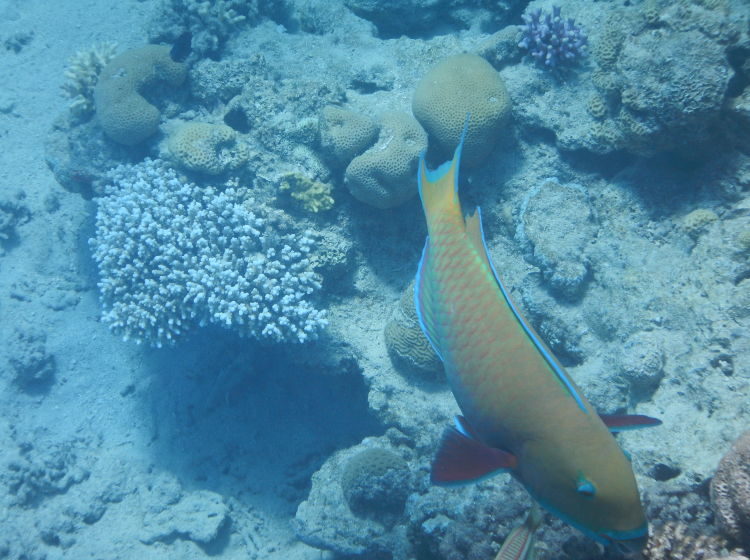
730, 492
197, 516
697, 221
33, 474
416, 18
82, 76
211, 23
383, 176
552, 40
32, 364
674, 541
460, 85
407, 345
642, 365
173, 255
550, 243
325, 519
207, 148
13, 212
124, 114
312, 196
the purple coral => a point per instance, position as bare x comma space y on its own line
551, 40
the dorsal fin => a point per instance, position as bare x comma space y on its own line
423, 302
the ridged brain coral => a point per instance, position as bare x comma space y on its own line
124, 114
406, 343
459, 85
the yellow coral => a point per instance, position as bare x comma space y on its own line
313, 196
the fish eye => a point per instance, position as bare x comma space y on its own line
586, 488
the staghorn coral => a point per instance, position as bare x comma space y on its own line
673, 541
552, 40
82, 75
730, 491
173, 256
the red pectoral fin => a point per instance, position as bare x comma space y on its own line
623, 422
465, 459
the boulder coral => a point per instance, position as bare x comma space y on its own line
376, 480
459, 85
123, 112
345, 134
384, 175
730, 492
207, 148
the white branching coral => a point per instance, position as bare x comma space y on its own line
173, 255
82, 75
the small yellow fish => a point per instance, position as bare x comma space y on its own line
520, 543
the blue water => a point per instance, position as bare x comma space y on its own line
209, 222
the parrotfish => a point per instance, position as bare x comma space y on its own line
520, 544
522, 413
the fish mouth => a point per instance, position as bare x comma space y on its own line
630, 547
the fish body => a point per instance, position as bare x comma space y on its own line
521, 411
520, 542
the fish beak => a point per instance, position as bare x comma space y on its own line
631, 548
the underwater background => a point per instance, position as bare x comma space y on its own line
209, 229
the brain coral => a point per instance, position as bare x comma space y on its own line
345, 134
376, 480
123, 112
730, 491
461, 84
406, 343
384, 176
207, 148
173, 256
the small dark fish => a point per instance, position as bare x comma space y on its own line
181, 48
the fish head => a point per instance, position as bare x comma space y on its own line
598, 496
